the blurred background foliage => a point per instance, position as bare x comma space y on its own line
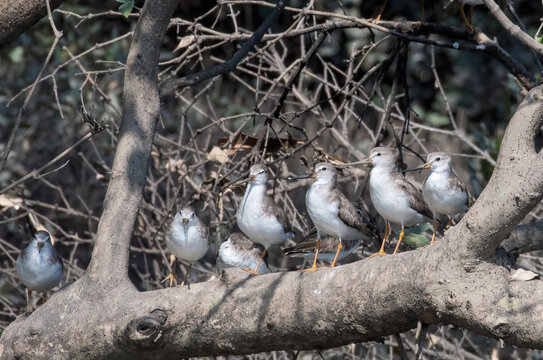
482, 95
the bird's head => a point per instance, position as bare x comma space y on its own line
258, 174
188, 217
382, 156
325, 173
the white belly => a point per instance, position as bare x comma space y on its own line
189, 246
392, 203
39, 275
324, 215
258, 226
440, 198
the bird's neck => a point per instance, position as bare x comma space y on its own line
255, 191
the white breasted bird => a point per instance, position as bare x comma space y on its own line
332, 213
443, 191
187, 239
39, 266
258, 216
239, 251
395, 199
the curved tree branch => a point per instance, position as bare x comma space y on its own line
515, 188
140, 114
17, 16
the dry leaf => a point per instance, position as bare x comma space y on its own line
10, 201
243, 142
523, 275
184, 42
216, 154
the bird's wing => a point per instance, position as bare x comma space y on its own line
270, 207
348, 214
416, 201
242, 243
328, 244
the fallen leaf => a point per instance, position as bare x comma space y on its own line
243, 142
184, 42
523, 275
216, 154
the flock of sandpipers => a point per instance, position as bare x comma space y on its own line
341, 225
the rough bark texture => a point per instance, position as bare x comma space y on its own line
16, 16
455, 281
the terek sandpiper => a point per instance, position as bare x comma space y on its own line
187, 239
443, 191
395, 199
258, 216
39, 266
331, 212
327, 249
239, 251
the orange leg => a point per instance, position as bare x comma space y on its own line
28, 307
339, 247
186, 276
170, 276
314, 267
378, 18
466, 22
382, 250
255, 271
449, 224
434, 234
399, 241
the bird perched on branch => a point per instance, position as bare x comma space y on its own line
395, 199
258, 216
332, 213
239, 251
187, 239
443, 191
39, 266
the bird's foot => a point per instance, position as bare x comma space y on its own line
250, 271
170, 277
26, 313
380, 253
180, 285
314, 268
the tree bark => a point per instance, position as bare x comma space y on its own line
454, 281
16, 16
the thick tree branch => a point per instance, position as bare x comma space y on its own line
525, 238
170, 86
515, 188
140, 114
16, 16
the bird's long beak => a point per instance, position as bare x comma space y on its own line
366, 161
425, 166
252, 178
292, 178
185, 223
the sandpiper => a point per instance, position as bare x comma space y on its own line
327, 248
395, 199
443, 191
187, 239
331, 212
258, 216
239, 251
39, 266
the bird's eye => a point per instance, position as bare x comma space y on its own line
437, 159
378, 154
261, 172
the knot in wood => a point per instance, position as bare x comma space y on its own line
146, 330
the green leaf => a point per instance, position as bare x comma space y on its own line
415, 240
126, 7
540, 39
419, 229
16, 55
